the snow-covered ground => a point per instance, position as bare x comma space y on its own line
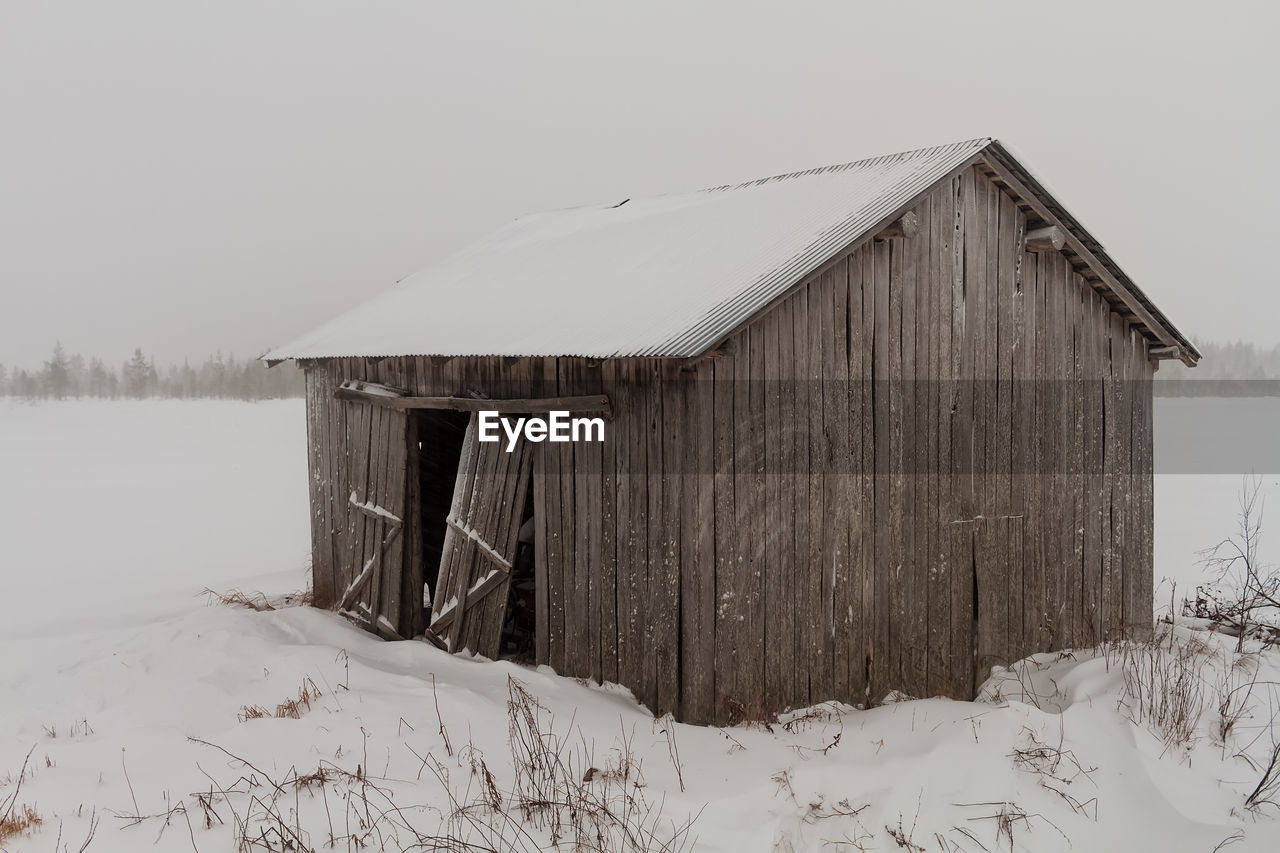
130, 694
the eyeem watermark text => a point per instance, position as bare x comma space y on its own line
556, 426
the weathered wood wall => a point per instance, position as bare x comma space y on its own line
933, 457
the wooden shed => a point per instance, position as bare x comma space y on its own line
871, 427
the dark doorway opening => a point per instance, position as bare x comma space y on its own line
440, 435
476, 521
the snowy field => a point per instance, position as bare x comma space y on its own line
140, 706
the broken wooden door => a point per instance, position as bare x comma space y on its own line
470, 602
371, 564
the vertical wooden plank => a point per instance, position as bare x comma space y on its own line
546, 534
893, 561
621, 386
1022, 403
506, 492
1123, 482
559, 555
448, 585
374, 530
1047, 348
1055, 421
590, 518
1033, 573
864, 447
909, 638
1042, 500
1073, 453
341, 455
608, 569
513, 490
574, 526
395, 610
1009, 332
978, 267
572, 536
762, 633
746, 580
667, 589
366, 490
961, 554
810, 686
779, 629
680, 452
705, 428
542, 584
941, 232
1111, 421
729, 613
660, 626
1140, 620
882, 652
839, 531
962, 500
358, 440
989, 593
821, 472
698, 597
322, 576
990, 572
921, 448
1091, 405
923, 451
791, 584
639, 662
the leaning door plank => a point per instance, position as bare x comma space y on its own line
480, 543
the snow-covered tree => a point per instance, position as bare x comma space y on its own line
57, 373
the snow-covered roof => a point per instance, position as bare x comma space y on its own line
667, 276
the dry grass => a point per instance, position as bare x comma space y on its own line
17, 821
1268, 788
562, 796
1058, 770
256, 601
289, 709
1163, 686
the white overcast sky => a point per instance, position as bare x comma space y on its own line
190, 176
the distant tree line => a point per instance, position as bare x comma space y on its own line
1234, 369
1226, 369
65, 376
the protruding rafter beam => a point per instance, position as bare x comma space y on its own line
725, 350
1158, 354
908, 226
1050, 238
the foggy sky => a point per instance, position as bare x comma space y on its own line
184, 176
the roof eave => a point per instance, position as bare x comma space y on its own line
1022, 183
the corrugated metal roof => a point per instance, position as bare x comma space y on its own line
662, 276
668, 276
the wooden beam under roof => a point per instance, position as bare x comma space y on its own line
395, 398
